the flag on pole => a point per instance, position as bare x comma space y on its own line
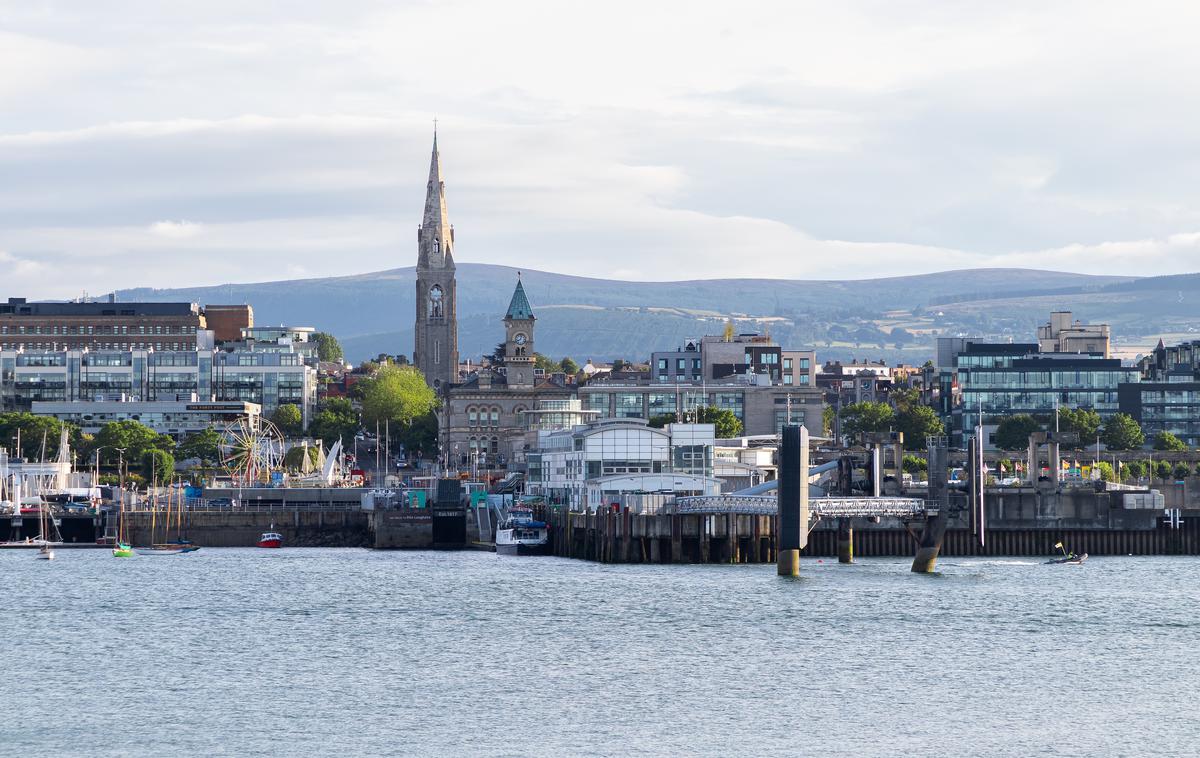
1058, 544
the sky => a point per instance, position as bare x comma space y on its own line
176, 144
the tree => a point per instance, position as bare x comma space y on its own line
329, 350
618, 364
867, 417
1106, 472
918, 422
1134, 470
1182, 470
1163, 470
661, 420
569, 366
545, 364
1080, 421
336, 421
904, 398
828, 414
289, 420
293, 460
396, 394
420, 437
725, 423
204, 446
1123, 433
135, 438
157, 465
1013, 431
1169, 442
914, 463
33, 430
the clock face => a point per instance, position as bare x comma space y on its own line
520, 339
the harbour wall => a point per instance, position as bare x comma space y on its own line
624, 537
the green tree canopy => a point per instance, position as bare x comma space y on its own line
1134, 469
337, 420
328, 348
1106, 471
867, 417
569, 366
828, 414
1013, 431
1080, 421
204, 445
1182, 470
725, 423
1169, 443
293, 460
1123, 433
157, 465
419, 437
134, 437
289, 420
1163, 470
918, 422
396, 394
33, 430
545, 363
912, 464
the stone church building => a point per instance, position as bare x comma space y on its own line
480, 422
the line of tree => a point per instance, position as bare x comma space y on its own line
1082, 427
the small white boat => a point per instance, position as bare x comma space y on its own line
44, 553
520, 534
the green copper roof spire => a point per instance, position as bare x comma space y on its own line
519, 308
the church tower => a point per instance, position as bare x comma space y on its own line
518, 340
435, 336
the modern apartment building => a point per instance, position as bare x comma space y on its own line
1167, 399
265, 378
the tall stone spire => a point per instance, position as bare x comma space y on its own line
436, 236
435, 333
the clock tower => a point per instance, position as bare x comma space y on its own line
518, 340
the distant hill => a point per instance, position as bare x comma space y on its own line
600, 318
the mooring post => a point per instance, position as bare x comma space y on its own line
845, 541
934, 532
793, 499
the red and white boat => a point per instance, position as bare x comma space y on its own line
270, 539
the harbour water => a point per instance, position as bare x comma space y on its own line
353, 652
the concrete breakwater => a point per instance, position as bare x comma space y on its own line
624, 537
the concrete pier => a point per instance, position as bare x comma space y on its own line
845, 541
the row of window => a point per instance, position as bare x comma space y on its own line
92, 330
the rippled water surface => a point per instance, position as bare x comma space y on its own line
352, 652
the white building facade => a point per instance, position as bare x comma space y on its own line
622, 462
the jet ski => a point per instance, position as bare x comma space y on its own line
1070, 558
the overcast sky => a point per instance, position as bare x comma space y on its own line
245, 141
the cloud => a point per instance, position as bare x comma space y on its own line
221, 142
175, 229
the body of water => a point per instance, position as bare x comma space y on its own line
354, 652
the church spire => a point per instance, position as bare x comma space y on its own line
436, 236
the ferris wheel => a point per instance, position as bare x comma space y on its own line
251, 449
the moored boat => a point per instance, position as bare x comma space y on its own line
521, 534
270, 539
